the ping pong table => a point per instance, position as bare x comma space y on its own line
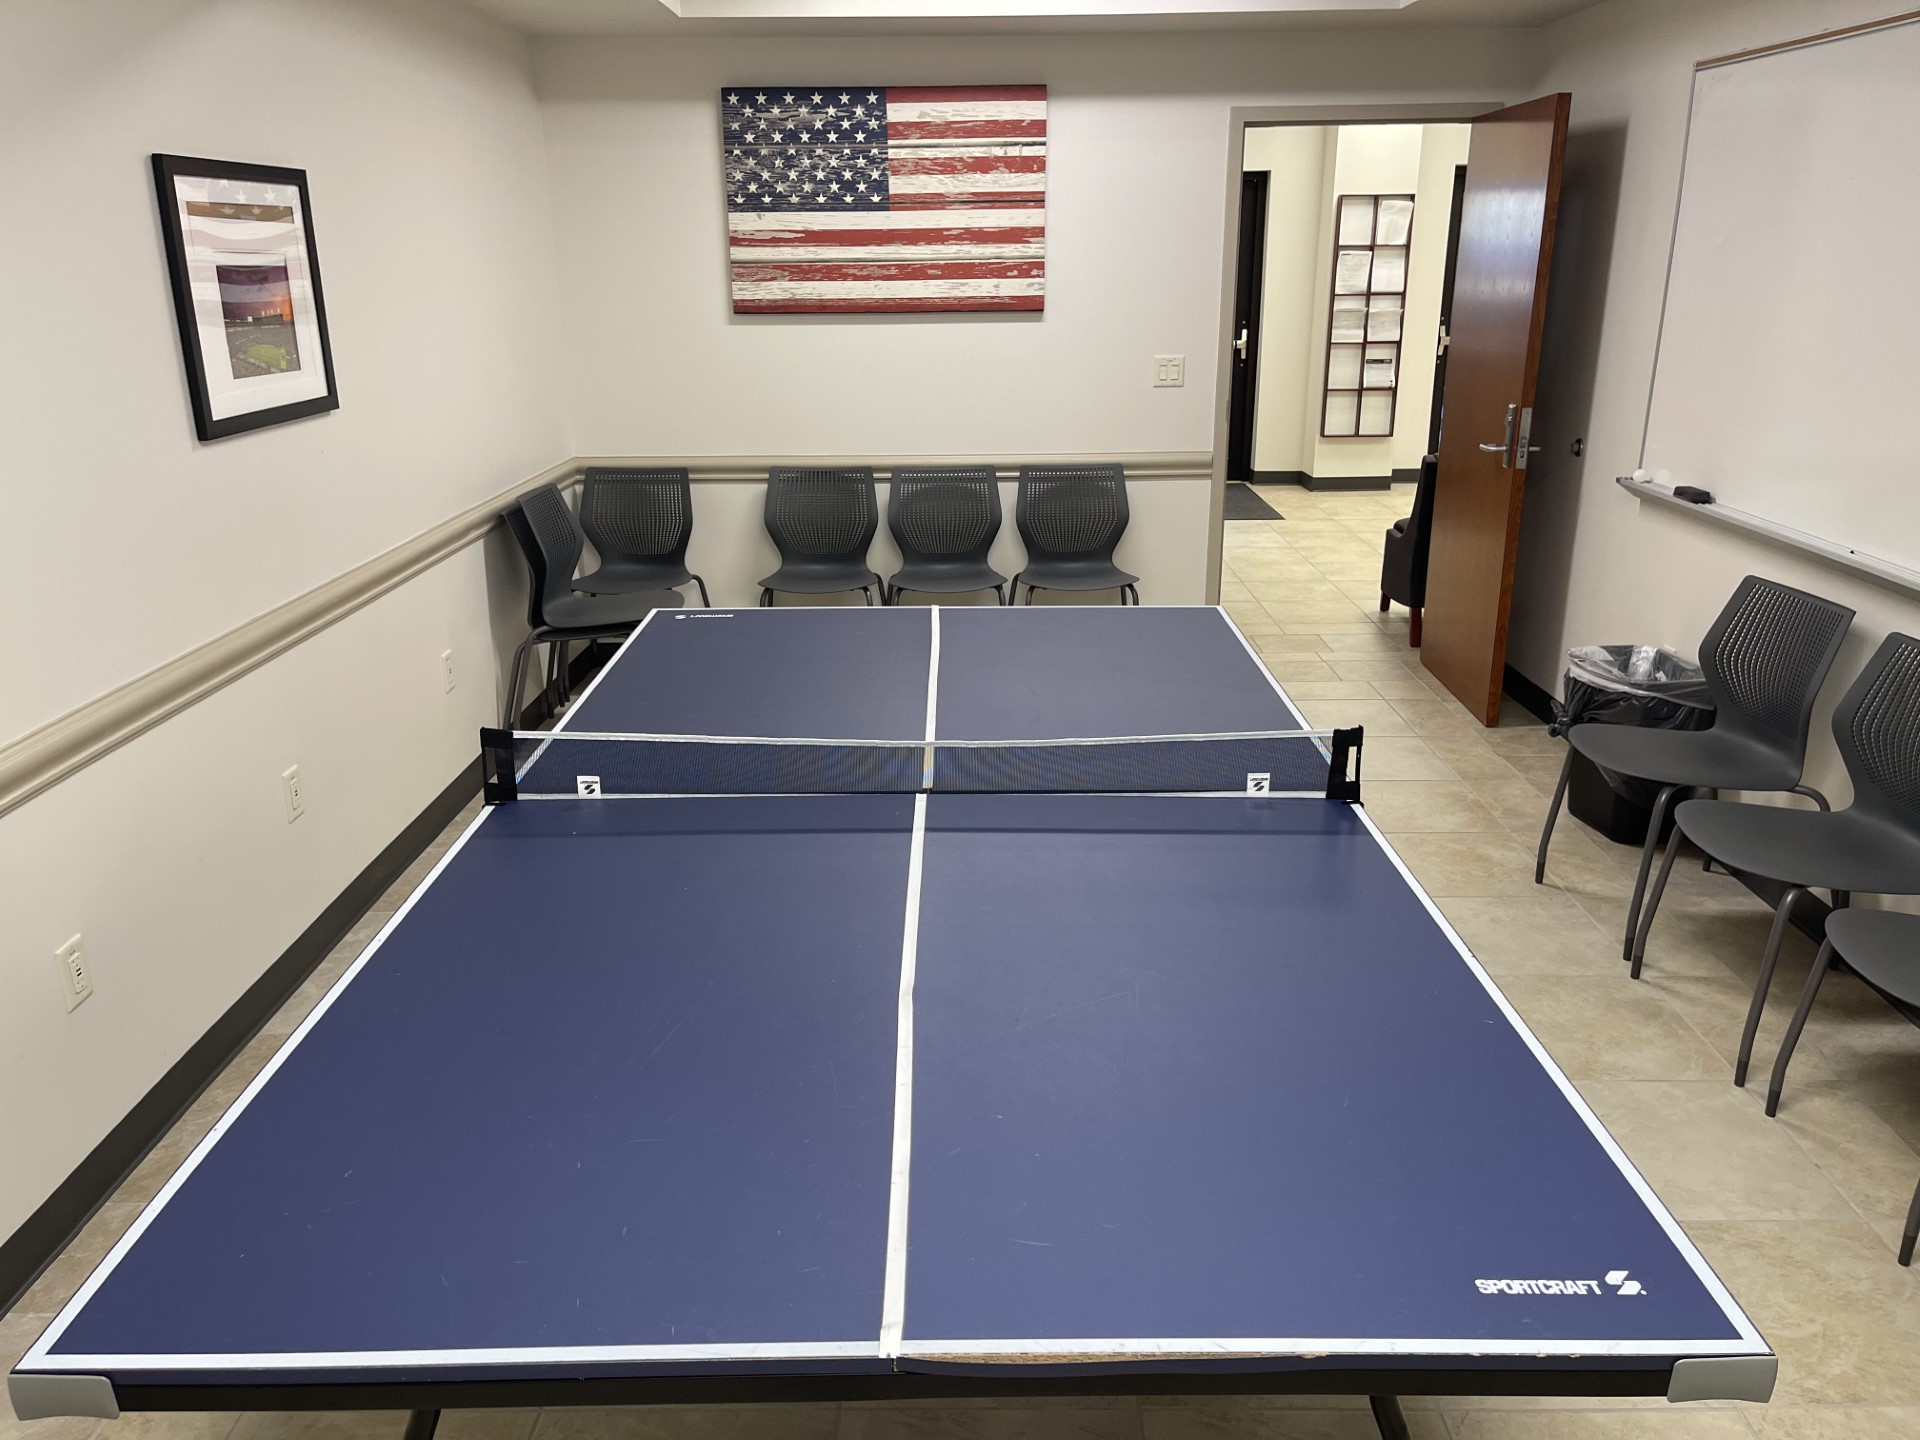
905, 1092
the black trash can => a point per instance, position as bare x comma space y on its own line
1626, 685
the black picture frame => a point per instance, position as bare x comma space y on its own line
213, 419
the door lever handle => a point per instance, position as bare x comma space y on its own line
1499, 449
1241, 343
1505, 448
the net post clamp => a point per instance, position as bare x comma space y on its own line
497, 782
1346, 755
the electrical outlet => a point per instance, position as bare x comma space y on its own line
290, 790
446, 668
76, 983
1169, 370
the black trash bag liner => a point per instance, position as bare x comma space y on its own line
1632, 685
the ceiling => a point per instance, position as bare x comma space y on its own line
879, 17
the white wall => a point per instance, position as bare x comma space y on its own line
130, 542
1138, 166
416, 127
1290, 292
1594, 566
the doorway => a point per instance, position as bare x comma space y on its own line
1248, 272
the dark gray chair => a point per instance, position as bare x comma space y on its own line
640, 522
1071, 518
945, 522
1403, 560
1765, 659
822, 521
1872, 846
544, 528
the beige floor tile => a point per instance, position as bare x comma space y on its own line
1858, 1151
1286, 646
1716, 1007
1712, 1154
999, 1422
1602, 1028
1430, 715
1836, 1422
1403, 757
178, 1425
64, 1276
1205, 1421
320, 1425
1372, 670
1402, 690
1542, 933
1291, 669
65, 1428
1842, 1316
1674, 1422
1379, 717
689, 1422
1403, 806
1481, 862
1332, 690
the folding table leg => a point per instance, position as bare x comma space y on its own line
1387, 1416
422, 1423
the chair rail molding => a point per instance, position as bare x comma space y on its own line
37, 761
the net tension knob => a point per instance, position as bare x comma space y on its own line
1345, 756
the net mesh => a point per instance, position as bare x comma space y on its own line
572, 763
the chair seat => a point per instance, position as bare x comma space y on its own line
581, 612
1710, 759
809, 579
1844, 850
629, 575
1062, 573
946, 577
1883, 946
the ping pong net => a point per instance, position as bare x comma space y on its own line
529, 765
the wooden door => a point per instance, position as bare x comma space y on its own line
1246, 323
1499, 305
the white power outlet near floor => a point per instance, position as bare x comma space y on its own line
291, 791
446, 668
76, 981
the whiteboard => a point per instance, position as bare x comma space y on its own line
1788, 375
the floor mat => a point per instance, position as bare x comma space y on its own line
1244, 503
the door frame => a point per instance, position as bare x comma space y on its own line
1239, 119
1250, 269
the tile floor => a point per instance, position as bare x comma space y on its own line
1800, 1215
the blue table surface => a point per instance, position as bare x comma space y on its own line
623, 1074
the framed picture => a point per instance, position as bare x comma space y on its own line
246, 290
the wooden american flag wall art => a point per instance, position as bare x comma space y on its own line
871, 199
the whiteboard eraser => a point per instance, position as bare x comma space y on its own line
1693, 494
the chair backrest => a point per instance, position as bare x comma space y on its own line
1072, 510
643, 513
522, 533
556, 537
944, 514
1877, 727
1420, 522
1765, 659
822, 514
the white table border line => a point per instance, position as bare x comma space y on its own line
1703, 1272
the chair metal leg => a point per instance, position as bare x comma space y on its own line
1126, 590
515, 678
866, 594
1660, 804
766, 598
1029, 594
1782, 913
1000, 593
1797, 1024
1652, 904
705, 603
1812, 794
1553, 814
1913, 1229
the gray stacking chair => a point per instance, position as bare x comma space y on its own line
1882, 947
544, 528
945, 522
1071, 518
1765, 659
640, 522
1872, 846
822, 521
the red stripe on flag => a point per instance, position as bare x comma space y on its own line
960, 235
933, 94
969, 165
894, 270
899, 305
965, 129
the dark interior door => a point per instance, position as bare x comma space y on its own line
1499, 306
1446, 312
1246, 323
